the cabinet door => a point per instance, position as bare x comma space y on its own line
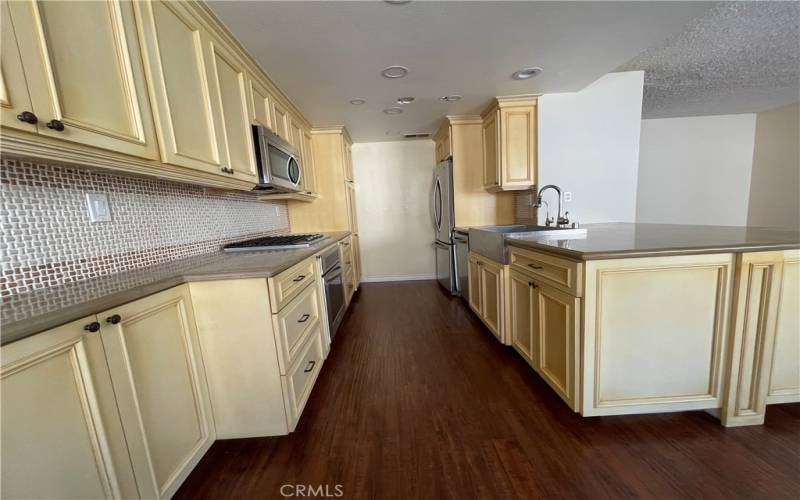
491, 161
83, 68
356, 245
229, 80
157, 372
309, 172
524, 297
518, 147
260, 104
178, 57
352, 215
474, 277
558, 331
784, 383
280, 121
348, 161
53, 437
492, 297
14, 98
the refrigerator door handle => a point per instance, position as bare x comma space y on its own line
437, 199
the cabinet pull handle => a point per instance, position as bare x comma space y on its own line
303, 318
114, 319
28, 117
534, 266
345, 244
56, 125
310, 366
92, 327
299, 278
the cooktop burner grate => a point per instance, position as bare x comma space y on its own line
274, 242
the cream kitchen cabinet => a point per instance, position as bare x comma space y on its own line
442, 142
784, 382
157, 372
260, 104
524, 321
260, 383
545, 330
510, 144
16, 110
487, 295
309, 172
230, 82
179, 66
61, 436
80, 65
280, 121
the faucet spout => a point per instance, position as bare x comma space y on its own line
560, 219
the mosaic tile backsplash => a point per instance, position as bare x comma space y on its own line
47, 239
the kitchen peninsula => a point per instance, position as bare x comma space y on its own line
646, 318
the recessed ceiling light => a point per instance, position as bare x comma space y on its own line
397, 2
395, 72
405, 100
393, 111
357, 101
450, 98
525, 73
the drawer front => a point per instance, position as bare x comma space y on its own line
294, 323
288, 284
297, 384
346, 254
564, 274
349, 284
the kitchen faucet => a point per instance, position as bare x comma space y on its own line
561, 220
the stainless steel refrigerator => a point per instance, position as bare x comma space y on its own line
443, 222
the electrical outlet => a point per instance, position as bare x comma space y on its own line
97, 204
567, 196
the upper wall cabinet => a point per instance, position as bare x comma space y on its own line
510, 144
16, 110
260, 104
82, 69
231, 85
177, 53
280, 121
442, 142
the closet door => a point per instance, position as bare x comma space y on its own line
84, 73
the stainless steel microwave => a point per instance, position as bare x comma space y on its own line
278, 162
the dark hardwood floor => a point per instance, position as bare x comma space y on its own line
418, 400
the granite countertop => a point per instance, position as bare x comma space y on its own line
619, 240
30, 313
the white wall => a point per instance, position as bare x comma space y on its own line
393, 186
775, 184
589, 146
696, 170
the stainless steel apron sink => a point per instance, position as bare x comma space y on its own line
490, 241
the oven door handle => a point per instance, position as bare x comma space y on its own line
332, 272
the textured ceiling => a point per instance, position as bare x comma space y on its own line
740, 57
322, 54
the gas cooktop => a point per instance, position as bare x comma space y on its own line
274, 243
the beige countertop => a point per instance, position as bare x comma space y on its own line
620, 240
30, 313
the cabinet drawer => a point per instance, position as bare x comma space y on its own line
294, 323
288, 284
349, 284
297, 384
562, 273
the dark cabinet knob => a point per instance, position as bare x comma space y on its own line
56, 125
534, 266
310, 366
92, 327
299, 278
27, 117
303, 318
114, 319
532, 284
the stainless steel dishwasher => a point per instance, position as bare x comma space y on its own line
461, 240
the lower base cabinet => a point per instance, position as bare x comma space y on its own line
61, 435
487, 293
545, 329
156, 367
110, 406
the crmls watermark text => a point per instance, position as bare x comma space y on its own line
314, 491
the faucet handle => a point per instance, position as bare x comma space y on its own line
563, 221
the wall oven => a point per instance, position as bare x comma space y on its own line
277, 161
334, 288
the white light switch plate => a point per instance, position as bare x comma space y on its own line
97, 203
567, 196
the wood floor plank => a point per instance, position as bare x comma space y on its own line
418, 400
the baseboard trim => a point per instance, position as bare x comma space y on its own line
401, 277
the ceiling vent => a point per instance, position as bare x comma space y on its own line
415, 135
